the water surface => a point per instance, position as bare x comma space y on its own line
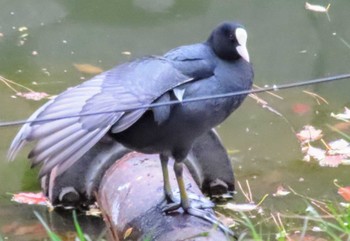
41, 40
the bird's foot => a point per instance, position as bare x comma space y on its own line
198, 211
199, 202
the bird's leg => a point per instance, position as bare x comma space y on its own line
164, 159
178, 168
186, 204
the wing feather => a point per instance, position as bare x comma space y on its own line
40, 131
75, 151
56, 142
62, 142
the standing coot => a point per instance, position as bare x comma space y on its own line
216, 66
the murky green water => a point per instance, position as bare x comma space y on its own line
286, 43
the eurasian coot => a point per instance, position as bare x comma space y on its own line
217, 66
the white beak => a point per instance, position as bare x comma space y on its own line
241, 36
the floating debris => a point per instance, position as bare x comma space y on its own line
345, 116
243, 207
317, 8
23, 28
281, 191
33, 95
88, 68
126, 53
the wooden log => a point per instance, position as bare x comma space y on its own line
131, 196
129, 188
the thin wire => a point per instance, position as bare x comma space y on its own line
174, 102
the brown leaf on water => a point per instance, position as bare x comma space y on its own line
88, 68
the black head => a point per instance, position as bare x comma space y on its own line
228, 40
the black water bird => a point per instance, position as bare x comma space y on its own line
216, 66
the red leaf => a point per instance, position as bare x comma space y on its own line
332, 160
345, 193
300, 108
30, 198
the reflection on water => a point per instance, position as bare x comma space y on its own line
286, 43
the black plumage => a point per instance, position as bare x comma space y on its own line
216, 66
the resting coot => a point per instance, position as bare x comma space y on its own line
216, 66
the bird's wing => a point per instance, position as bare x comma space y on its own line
63, 141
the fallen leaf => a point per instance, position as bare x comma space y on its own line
300, 108
314, 152
345, 116
340, 146
88, 68
345, 193
331, 161
316, 8
30, 198
33, 95
281, 191
309, 134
